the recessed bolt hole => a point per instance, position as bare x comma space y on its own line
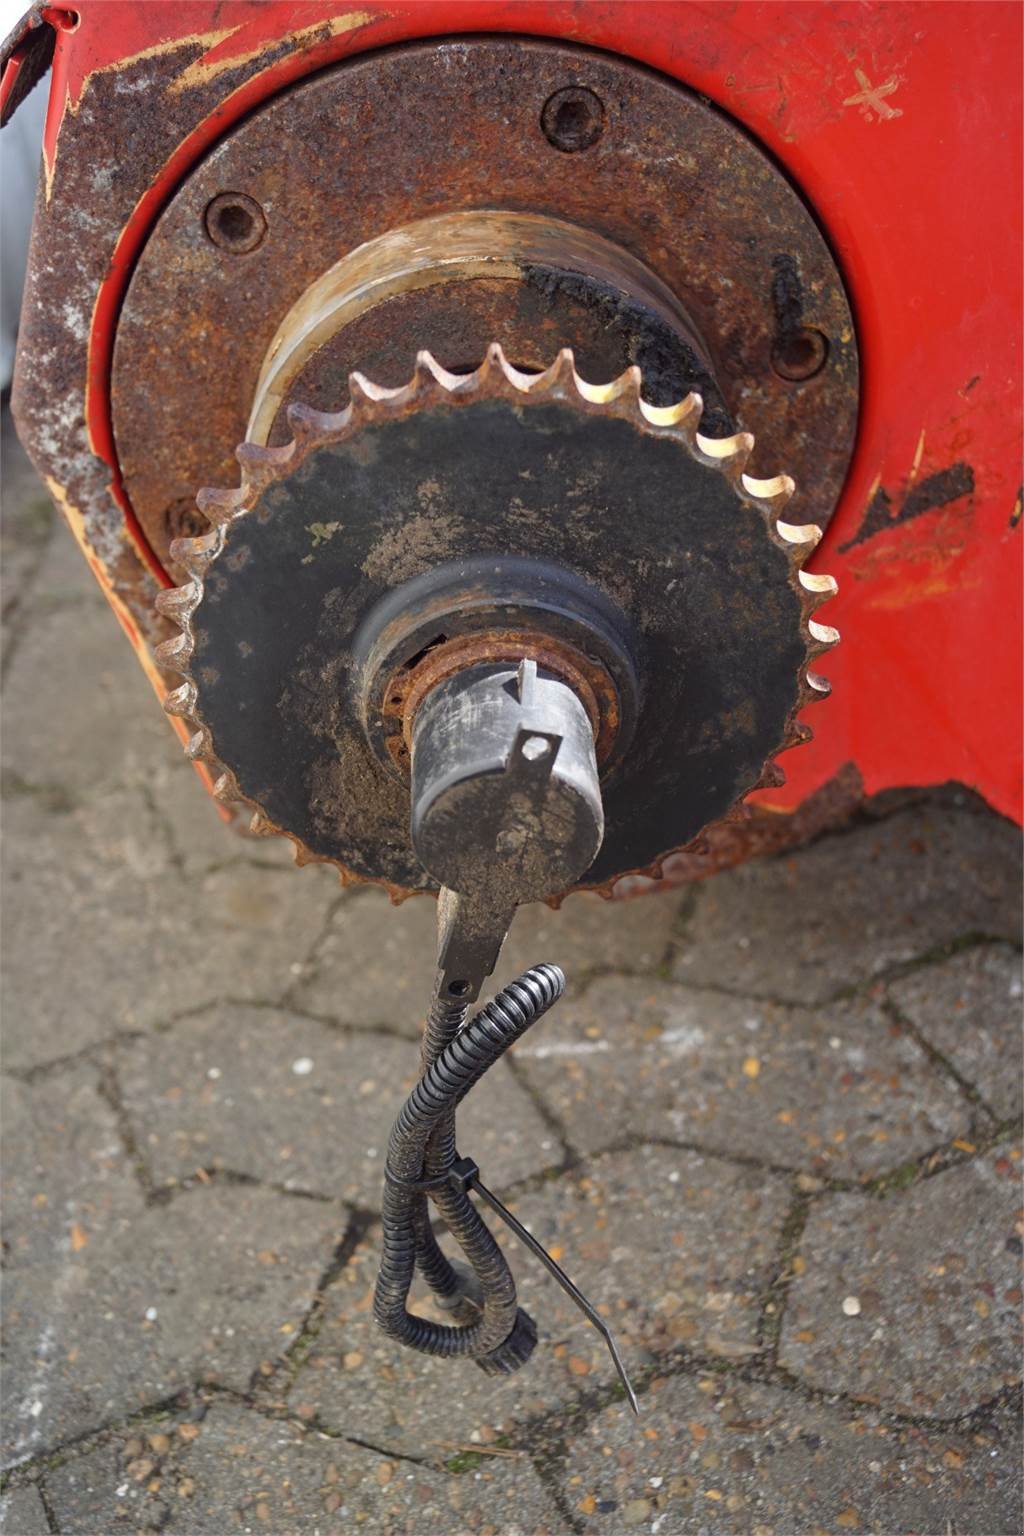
458, 988
573, 119
235, 222
534, 748
799, 355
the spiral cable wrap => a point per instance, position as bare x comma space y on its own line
421, 1148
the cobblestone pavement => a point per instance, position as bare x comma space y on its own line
773, 1130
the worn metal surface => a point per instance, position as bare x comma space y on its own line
662, 522
430, 135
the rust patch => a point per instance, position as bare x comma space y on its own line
405, 691
458, 127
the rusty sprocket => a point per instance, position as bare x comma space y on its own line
660, 519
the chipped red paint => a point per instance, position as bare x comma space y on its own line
901, 125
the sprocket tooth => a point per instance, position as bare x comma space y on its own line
181, 701
179, 603
175, 653
221, 507
559, 377
364, 395
198, 748
820, 585
773, 776
262, 464
309, 426
625, 390
685, 416
427, 375
823, 637
803, 537
728, 454
225, 788
798, 735
196, 554
772, 495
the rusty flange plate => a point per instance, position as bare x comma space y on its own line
460, 125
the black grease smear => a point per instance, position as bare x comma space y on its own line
787, 296
936, 490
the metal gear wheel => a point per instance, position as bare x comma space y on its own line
493, 516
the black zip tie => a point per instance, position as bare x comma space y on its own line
417, 1186
465, 1175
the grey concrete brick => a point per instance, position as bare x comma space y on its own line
731, 1458
206, 1288
27, 519
674, 1248
66, 1176
292, 1101
803, 927
969, 1008
932, 1275
199, 838
22, 1514
833, 1089
245, 1473
78, 710
376, 965
110, 937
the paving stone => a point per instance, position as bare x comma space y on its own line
201, 840
24, 533
675, 1248
206, 1287
22, 1514
376, 965
27, 519
78, 710
97, 1495
245, 1473
803, 927
294, 1102
110, 937
969, 1008
934, 1273
588, 934
835, 1089
715, 1457
65, 1173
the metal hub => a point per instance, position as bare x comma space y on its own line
494, 608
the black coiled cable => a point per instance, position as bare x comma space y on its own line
421, 1148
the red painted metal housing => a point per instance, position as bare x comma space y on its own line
901, 125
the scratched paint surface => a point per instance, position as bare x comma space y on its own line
900, 123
